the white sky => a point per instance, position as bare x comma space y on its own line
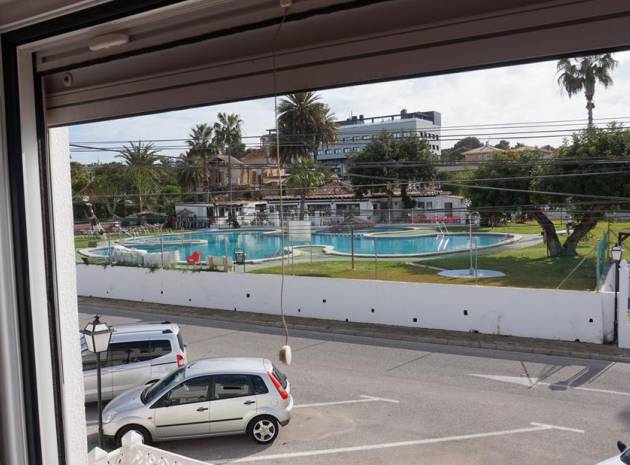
523, 93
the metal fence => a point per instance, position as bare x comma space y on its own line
603, 258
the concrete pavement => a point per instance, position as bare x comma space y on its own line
370, 401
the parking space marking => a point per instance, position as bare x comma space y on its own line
533, 382
536, 427
355, 401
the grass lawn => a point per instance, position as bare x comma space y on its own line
525, 267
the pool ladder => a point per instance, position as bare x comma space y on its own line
442, 236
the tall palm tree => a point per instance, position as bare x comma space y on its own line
227, 136
582, 74
188, 172
306, 175
305, 124
141, 160
201, 146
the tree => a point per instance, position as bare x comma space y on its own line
305, 124
168, 197
503, 145
456, 152
386, 164
227, 139
143, 172
109, 189
189, 175
202, 147
536, 178
496, 203
583, 152
582, 74
306, 175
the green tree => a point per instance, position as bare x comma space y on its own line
534, 177
168, 197
201, 146
227, 139
582, 74
456, 152
387, 164
109, 189
189, 173
142, 169
503, 145
582, 153
305, 124
306, 175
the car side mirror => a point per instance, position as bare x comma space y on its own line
621, 446
150, 383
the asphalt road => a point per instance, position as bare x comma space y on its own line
371, 401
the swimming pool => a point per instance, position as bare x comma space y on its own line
260, 245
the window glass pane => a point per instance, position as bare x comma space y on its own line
161, 347
190, 391
89, 360
229, 386
118, 354
153, 391
259, 385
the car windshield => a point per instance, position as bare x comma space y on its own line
151, 392
625, 457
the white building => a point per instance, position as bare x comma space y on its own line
356, 132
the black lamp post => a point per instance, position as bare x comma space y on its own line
97, 336
616, 253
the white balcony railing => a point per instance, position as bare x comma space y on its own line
134, 452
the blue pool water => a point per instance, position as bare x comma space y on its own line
259, 245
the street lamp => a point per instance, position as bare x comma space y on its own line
616, 253
468, 203
97, 336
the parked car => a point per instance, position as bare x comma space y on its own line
210, 397
138, 353
622, 459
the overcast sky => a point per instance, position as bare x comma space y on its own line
523, 93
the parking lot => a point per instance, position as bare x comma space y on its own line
371, 401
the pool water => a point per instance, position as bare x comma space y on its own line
260, 245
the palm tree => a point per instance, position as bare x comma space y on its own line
582, 74
227, 137
305, 124
306, 175
141, 162
188, 172
201, 146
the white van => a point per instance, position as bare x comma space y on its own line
138, 354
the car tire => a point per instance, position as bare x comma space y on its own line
146, 436
263, 429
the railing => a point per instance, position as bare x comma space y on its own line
134, 452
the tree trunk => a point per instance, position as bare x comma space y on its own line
589, 107
569, 248
206, 178
549, 230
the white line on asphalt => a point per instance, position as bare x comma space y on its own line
387, 445
533, 382
355, 401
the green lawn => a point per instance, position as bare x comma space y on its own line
526, 267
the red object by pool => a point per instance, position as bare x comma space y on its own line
194, 259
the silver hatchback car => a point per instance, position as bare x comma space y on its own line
210, 397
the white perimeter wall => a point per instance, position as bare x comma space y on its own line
542, 313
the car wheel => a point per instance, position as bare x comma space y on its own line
263, 429
146, 436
